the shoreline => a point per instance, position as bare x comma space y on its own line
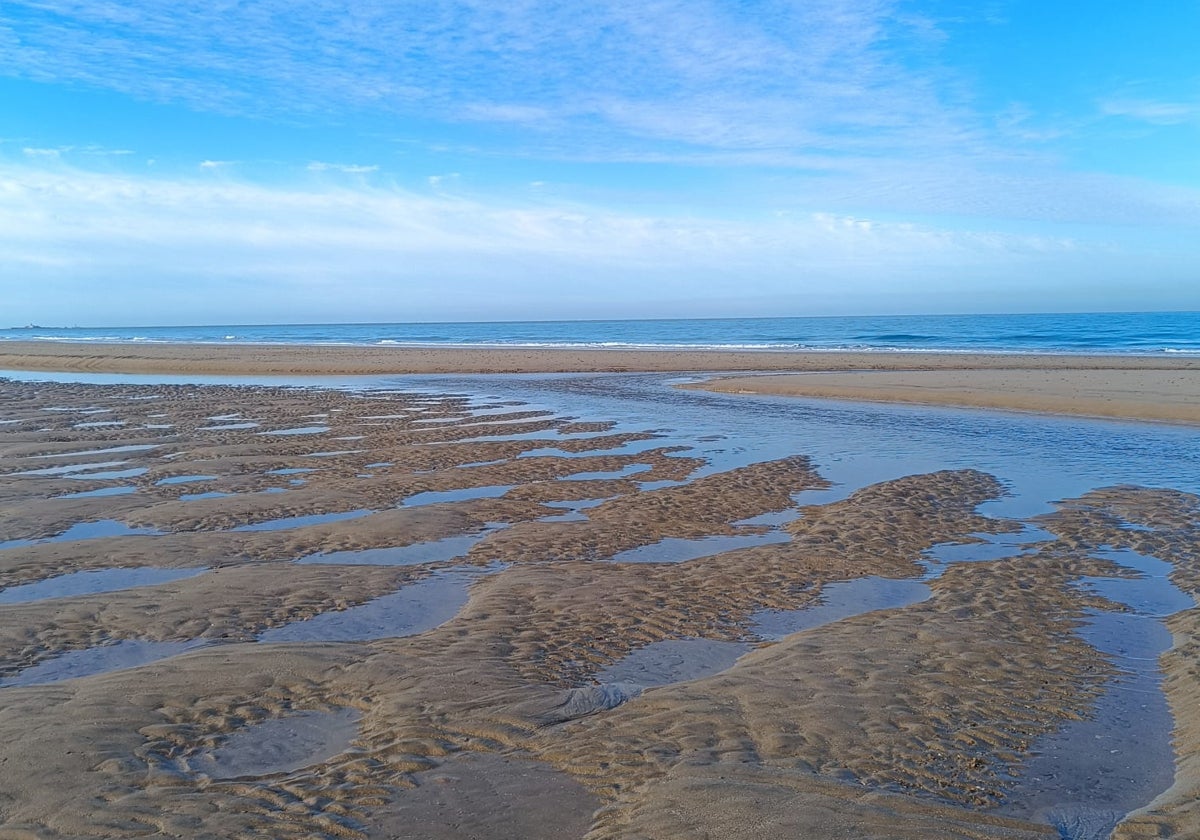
1159, 389
345, 359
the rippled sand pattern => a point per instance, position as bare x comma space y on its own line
912, 722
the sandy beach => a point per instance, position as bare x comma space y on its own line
599, 421
275, 612
1134, 387
1170, 395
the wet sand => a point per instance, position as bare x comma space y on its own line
500, 718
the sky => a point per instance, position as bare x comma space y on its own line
263, 161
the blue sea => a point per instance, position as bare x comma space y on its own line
1141, 333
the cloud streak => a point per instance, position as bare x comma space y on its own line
105, 237
1150, 111
820, 76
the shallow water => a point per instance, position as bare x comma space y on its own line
109, 475
1151, 594
601, 475
843, 599
645, 486
677, 550
93, 582
1085, 777
299, 430
1041, 458
70, 468
549, 435
434, 497
992, 547
674, 660
414, 609
133, 447
286, 522
574, 509
280, 745
129, 653
102, 491
434, 551
771, 519
196, 497
633, 447
185, 479
87, 531
457, 420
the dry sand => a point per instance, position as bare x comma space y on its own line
908, 722
250, 359
1134, 387
1149, 393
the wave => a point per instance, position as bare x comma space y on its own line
679, 346
1117, 334
898, 337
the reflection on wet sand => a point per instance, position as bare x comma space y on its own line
579, 617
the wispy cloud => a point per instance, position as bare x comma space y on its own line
106, 231
821, 76
35, 152
1151, 111
87, 244
345, 168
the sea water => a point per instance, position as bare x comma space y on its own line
1136, 333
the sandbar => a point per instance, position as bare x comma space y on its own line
1170, 395
1160, 388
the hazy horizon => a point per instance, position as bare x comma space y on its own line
450, 321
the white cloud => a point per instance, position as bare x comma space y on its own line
808, 76
215, 164
1150, 111
84, 246
34, 152
436, 181
346, 168
100, 151
105, 223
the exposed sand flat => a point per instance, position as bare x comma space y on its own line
907, 721
246, 359
1091, 386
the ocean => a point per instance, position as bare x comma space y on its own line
1138, 333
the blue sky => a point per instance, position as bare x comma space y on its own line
210, 161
